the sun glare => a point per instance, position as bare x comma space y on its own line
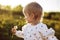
48, 5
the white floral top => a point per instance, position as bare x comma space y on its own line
36, 32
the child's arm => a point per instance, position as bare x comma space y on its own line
48, 34
17, 33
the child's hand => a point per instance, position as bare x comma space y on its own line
14, 30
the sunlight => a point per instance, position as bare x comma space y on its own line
14, 3
48, 5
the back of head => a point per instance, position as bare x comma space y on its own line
34, 8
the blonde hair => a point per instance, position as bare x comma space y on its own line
34, 8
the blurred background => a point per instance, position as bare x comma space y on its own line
11, 15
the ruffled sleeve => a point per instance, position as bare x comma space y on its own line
48, 34
20, 33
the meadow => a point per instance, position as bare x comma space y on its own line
11, 17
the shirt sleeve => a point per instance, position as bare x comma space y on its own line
48, 34
20, 33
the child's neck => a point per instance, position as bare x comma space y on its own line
35, 23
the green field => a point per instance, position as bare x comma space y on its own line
11, 17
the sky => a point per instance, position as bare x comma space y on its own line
47, 5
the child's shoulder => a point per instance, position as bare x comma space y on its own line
26, 25
43, 25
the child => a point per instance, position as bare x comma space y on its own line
34, 29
